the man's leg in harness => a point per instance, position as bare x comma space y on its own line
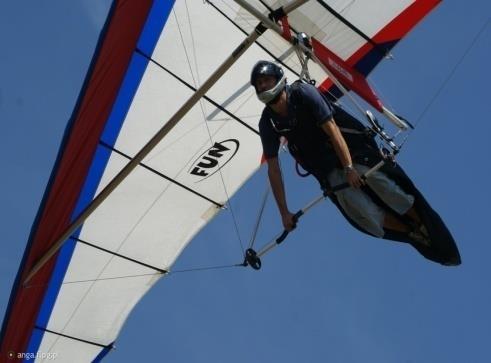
387, 190
400, 202
358, 205
364, 211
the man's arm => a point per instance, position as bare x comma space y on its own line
342, 151
271, 142
322, 113
274, 174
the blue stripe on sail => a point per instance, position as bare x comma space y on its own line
154, 25
102, 354
366, 64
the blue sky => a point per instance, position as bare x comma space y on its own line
329, 293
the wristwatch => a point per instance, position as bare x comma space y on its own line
348, 168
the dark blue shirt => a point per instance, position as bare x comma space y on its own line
307, 110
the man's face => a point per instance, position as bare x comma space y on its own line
264, 83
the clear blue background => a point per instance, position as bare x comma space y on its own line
329, 293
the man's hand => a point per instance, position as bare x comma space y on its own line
343, 153
288, 220
354, 178
274, 174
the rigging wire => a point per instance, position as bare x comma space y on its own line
260, 214
166, 273
99, 279
198, 269
450, 75
196, 84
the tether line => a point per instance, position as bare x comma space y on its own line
450, 75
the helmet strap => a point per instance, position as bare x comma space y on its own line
270, 96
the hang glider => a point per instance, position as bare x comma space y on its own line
164, 132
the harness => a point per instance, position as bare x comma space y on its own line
311, 147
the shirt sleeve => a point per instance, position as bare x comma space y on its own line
269, 138
321, 110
